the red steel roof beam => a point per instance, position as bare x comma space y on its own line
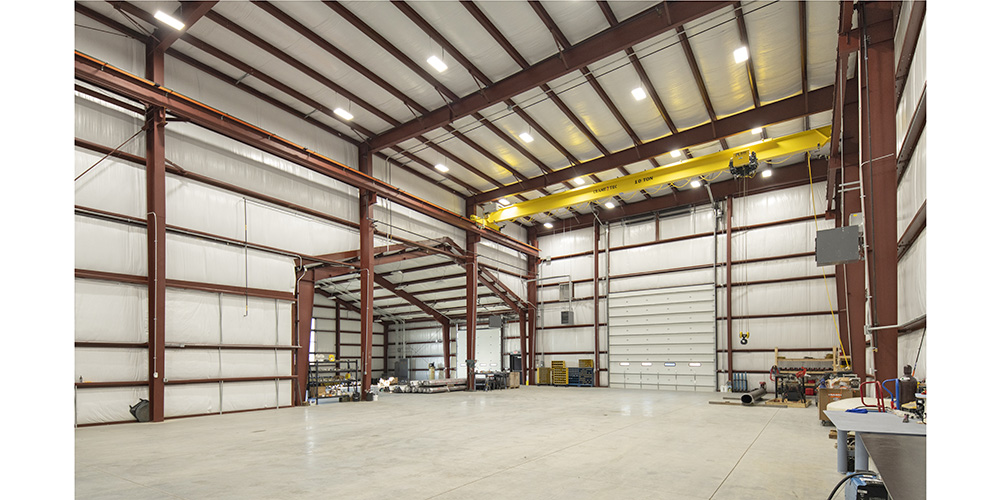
643, 26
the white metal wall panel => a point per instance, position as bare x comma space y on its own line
109, 246
113, 185
911, 281
912, 348
912, 189
193, 317
108, 125
107, 404
110, 312
196, 260
667, 325
106, 364
915, 82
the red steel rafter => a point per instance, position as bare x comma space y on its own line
641, 27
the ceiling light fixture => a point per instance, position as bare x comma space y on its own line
675, 153
343, 114
526, 137
441, 168
696, 183
756, 130
610, 204
638, 93
766, 173
578, 181
504, 201
741, 54
169, 20
548, 225
437, 63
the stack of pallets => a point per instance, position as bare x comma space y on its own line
560, 375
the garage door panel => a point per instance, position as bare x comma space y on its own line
662, 330
665, 352
657, 335
663, 319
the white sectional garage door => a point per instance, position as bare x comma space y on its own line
663, 338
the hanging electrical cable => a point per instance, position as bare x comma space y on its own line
829, 299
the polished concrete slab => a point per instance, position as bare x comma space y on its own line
531, 442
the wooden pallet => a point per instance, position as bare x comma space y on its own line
788, 404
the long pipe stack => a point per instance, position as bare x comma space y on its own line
440, 385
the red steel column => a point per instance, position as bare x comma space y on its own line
156, 238
597, 307
446, 344
729, 288
878, 161
336, 331
471, 287
304, 294
529, 361
367, 235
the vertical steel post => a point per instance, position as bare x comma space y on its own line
304, 297
532, 306
156, 237
471, 290
446, 346
336, 330
878, 172
523, 321
597, 307
367, 236
729, 288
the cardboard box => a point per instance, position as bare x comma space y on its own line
827, 396
514, 380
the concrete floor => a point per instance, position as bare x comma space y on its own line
531, 442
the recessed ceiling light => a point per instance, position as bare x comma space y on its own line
696, 183
441, 168
610, 204
578, 181
343, 114
503, 201
675, 153
756, 130
766, 173
548, 225
526, 137
741, 54
169, 20
638, 93
437, 63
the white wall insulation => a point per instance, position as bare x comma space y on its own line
910, 195
638, 268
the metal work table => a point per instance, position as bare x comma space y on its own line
867, 423
901, 461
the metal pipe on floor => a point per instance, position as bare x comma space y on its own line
754, 395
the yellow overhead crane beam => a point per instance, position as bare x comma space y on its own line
695, 167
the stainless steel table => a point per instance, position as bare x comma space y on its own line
871, 423
901, 461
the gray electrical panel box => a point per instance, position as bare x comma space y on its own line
565, 291
566, 318
496, 321
841, 245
